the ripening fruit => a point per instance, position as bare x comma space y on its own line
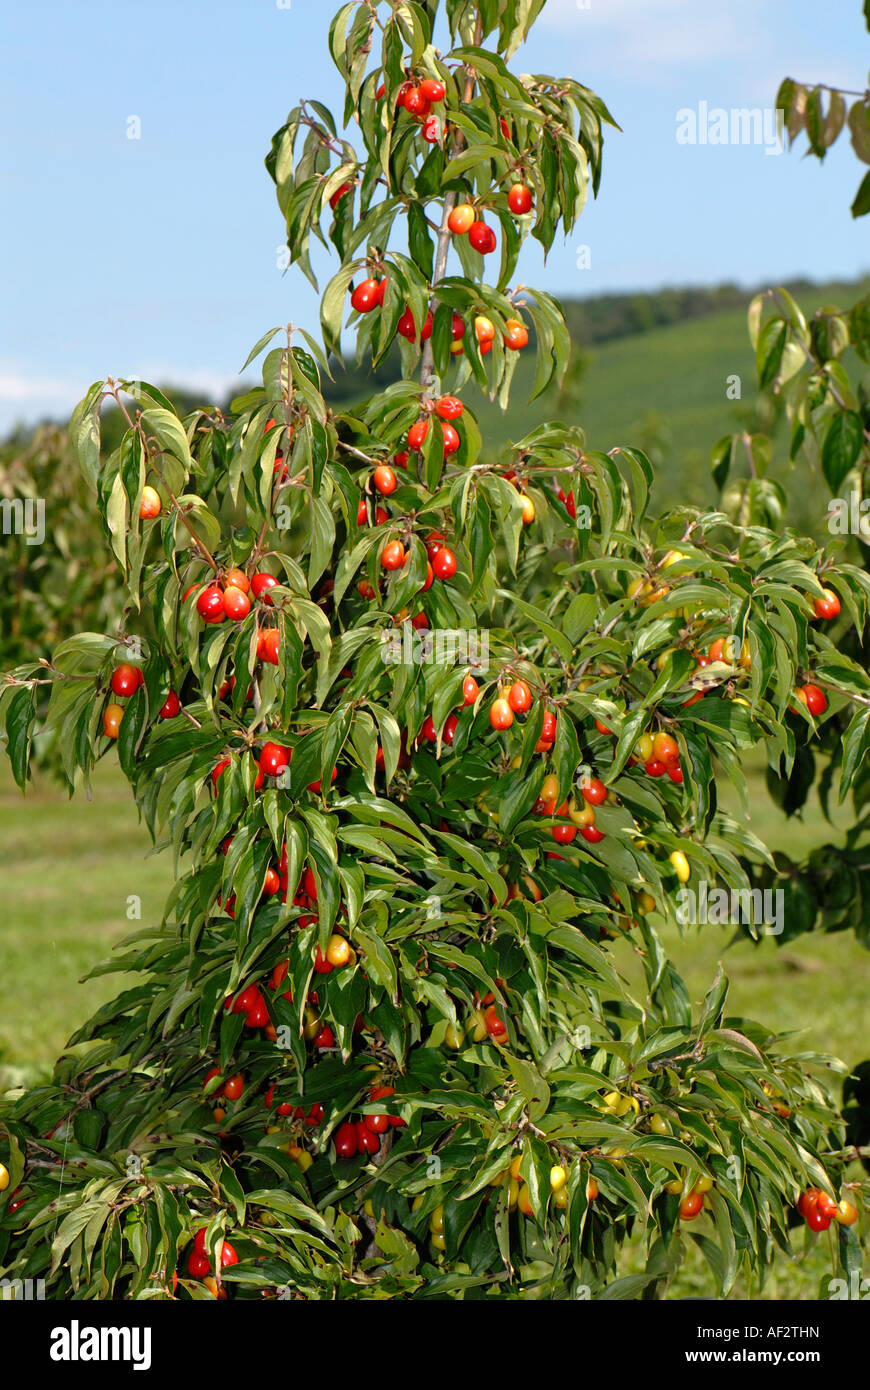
112, 716
815, 699
385, 480
268, 644
449, 408
171, 706
558, 1178
516, 336
234, 1087
443, 563
528, 507
339, 194
237, 605
520, 200
665, 748
524, 1201
451, 439
238, 579
433, 90
501, 716
461, 219
470, 690
827, 607
4, 1177
338, 950
702, 1184
197, 1265
260, 586
210, 604
690, 1206
484, 329
594, 791
659, 1125
415, 103
365, 296
680, 865
126, 680
393, 555
482, 238
564, 834
519, 697
846, 1213
817, 1220
150, 506
273, 758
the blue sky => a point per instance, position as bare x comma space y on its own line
158, 257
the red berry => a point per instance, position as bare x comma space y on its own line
365, 296
171, 706
691, 1205
126, 680
433, 90
268, 644
444, 563
273, 757
237, 605
416, 103
470, 690
210, 605
520, 697
594, 791
339, 194
501, 716
827, 607
345, 1140
449, 408
592, 834
815, 699
393, 555
417, 434
520, 200
406, 326
197, 1265
482, 238
564, 834
260, 586
451, 439
385, 479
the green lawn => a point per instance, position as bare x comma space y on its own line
68, 871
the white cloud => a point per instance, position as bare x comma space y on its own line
20, 389
26, 398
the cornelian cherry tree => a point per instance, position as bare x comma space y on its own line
379, 1046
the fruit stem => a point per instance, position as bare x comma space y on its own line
442, 247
